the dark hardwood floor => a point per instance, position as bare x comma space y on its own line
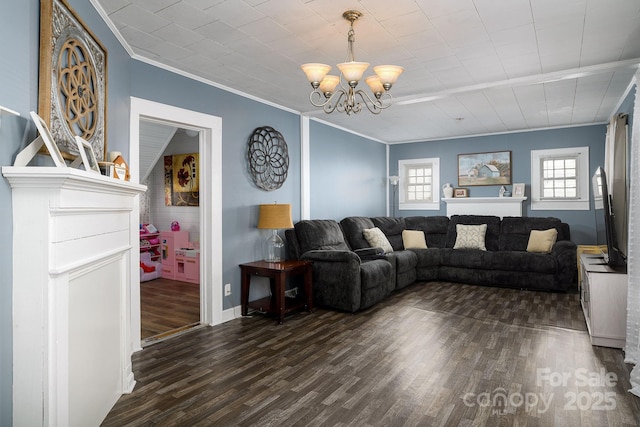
167, 306
436, 354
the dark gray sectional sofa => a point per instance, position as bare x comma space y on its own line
350, 275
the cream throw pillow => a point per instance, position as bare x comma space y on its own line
542, 240
413, 239
470, 236
377, 239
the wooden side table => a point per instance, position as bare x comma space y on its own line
277, 272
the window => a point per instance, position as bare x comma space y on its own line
419, 184
560, 179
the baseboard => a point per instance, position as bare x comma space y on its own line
234, 312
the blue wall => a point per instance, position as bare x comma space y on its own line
348, 174
520, 144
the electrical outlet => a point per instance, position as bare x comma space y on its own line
227, 289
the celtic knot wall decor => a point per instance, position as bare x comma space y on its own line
268, 158
73, 79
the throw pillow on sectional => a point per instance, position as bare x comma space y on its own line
376, 238
470, 236
542, 241
414, 239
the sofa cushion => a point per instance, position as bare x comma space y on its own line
520, 261
493, 229
413, 239
352, 227
434, 227
429, 257
542, 240
392, 228
515, 231
467, 258
377, 239
320, 234
470, 236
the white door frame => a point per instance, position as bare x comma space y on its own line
210, 148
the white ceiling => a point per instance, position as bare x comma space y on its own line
471, 66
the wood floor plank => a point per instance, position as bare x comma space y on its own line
166, 305
431, 354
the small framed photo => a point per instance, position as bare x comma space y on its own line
460, 192
45, 134
88, 157
518, 190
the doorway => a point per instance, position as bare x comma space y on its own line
210, 149
170, 255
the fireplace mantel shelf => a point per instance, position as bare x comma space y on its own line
498, 206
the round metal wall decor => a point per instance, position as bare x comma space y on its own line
268, 158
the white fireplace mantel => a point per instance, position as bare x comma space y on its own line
72, 240
498, 206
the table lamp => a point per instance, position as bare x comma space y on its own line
274, 217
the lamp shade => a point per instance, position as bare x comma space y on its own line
353, 71
315, 72
329, 83
374, 84
388, 73
275, 216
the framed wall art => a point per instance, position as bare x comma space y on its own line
72, 95
484, 168
181, 180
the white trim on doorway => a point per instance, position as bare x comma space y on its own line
210, 149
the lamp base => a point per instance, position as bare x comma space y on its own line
274, 246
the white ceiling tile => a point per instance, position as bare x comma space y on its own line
437, 8
178, 35
139, 18
186, 15
234, 13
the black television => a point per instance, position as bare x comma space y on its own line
605, 224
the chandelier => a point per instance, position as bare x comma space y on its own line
348, 99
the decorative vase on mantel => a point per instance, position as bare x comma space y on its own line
447, 190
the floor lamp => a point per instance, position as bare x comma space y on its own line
394, 180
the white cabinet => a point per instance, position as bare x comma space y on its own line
603, 295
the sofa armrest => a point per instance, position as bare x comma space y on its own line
565, 253
367, 254
330, 256
336, 279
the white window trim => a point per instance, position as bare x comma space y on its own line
582, 203
431, 206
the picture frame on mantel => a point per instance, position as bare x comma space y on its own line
72, 96
518, 190
491, 168
460, 192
